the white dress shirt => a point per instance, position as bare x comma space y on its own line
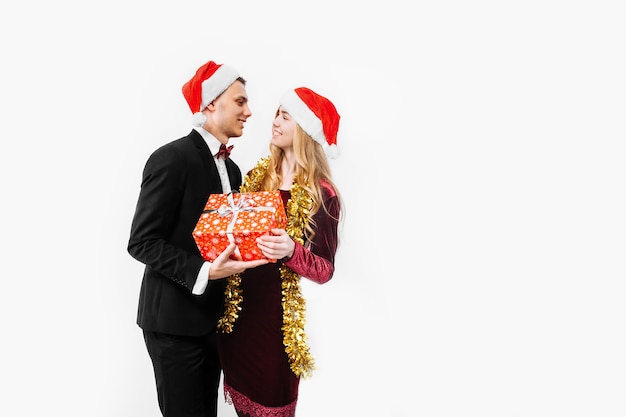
214, 145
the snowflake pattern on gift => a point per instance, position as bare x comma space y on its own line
239, 218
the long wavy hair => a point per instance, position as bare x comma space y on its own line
311, 169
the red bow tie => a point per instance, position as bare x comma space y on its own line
224, 151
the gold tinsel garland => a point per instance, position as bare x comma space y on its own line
293, 303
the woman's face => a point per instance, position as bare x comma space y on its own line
283, 129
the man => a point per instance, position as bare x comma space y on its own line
182, 294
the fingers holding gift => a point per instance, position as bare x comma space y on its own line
224, 266
277, 245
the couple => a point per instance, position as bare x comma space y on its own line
193, 323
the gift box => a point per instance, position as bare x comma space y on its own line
239, 218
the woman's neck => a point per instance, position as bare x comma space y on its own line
287, 171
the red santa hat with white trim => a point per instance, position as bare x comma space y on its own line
206, 85
316, 115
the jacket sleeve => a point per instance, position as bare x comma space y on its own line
316, 260
157, 217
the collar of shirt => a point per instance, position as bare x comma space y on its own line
210, 140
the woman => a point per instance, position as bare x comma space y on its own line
261, 339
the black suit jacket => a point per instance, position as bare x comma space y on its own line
177, 180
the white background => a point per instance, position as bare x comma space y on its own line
481, 269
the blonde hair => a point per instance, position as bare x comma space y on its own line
311, 169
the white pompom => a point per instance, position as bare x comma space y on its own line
332, 151
198, 119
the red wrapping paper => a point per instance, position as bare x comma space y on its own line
240, 218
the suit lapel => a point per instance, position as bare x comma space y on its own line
233, 175
206, 157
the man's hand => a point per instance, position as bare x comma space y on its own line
223, 266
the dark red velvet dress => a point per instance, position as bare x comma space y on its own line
257, 376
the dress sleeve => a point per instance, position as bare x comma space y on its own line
316, 261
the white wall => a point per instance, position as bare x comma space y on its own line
482, 266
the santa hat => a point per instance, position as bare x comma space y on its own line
316, 115
210, 81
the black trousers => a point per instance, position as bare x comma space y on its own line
187, 372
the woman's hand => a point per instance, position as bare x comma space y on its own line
278, 245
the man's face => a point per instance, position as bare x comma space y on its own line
232, 110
